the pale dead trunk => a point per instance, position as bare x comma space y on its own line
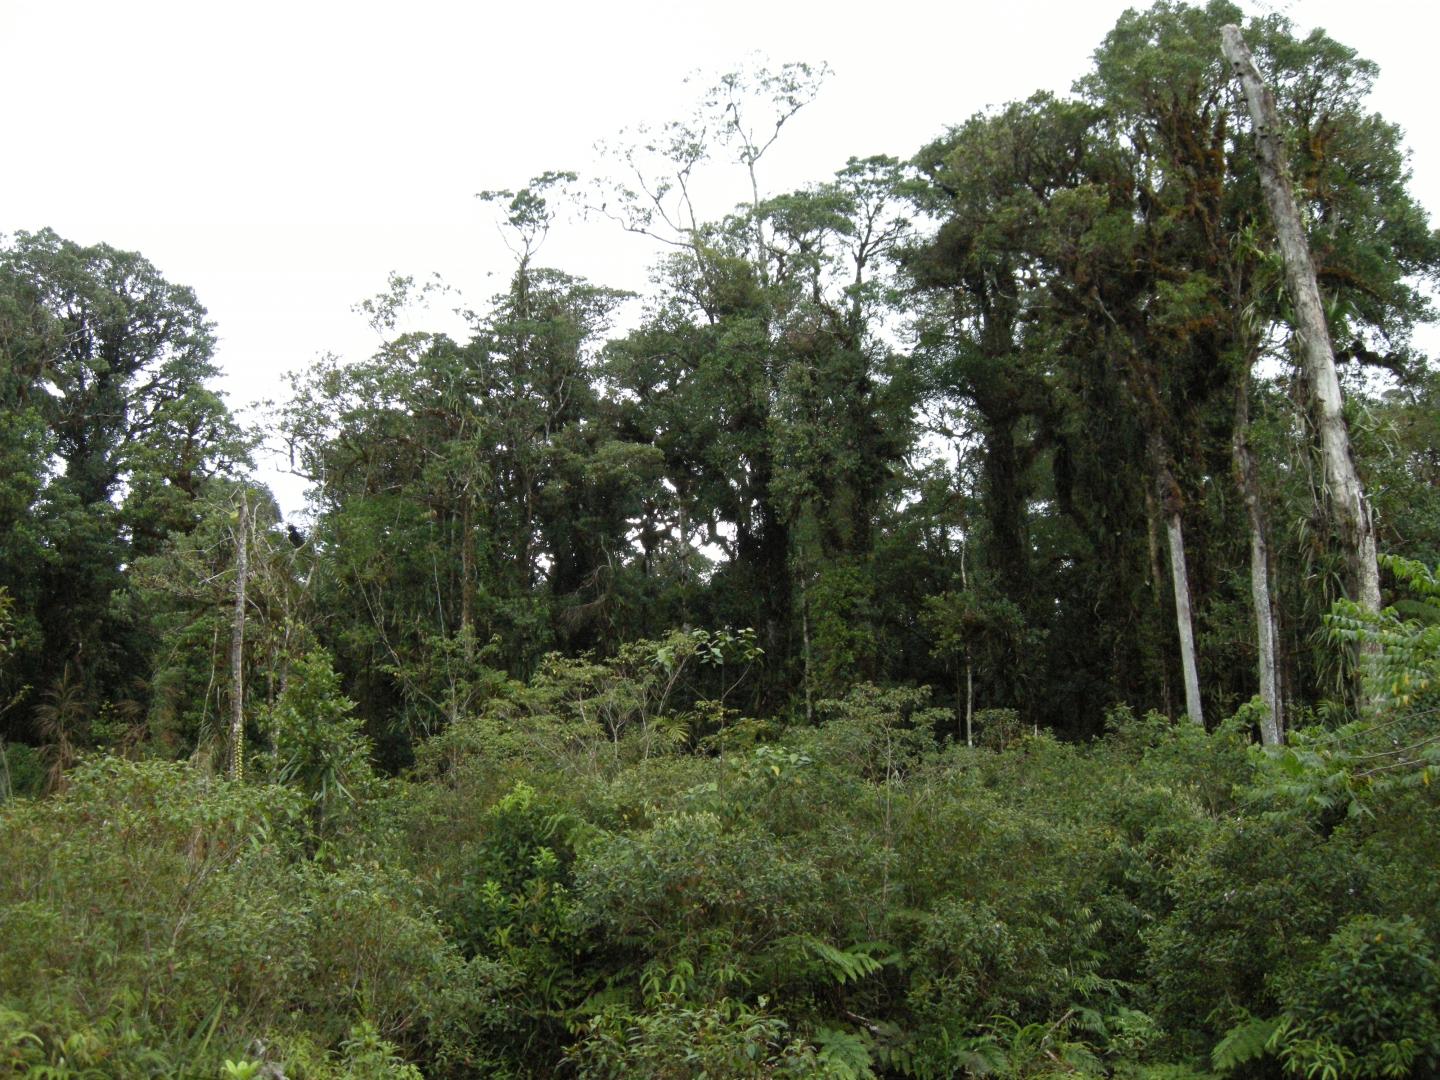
1184, 623
1168, 501
1272, 725
1267, 617
237, 644
1347, 495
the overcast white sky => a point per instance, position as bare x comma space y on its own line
283, 158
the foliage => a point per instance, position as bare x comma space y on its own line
153, 913
1372, 993
110, 431
675, 1040
1402, 642
317, 744
603, 711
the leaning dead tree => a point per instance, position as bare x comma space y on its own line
1347, 496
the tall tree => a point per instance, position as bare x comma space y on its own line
784, 412
1161, 79
1347, 493
979, 282
474, 504
106, 370
204, 684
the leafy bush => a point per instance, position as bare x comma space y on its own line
1256, 902
318, 745
691, 887
1374, 993
154, 906
22, 770
514, 906
677, 1041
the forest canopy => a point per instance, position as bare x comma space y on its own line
923, 635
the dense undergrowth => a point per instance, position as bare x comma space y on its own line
404, 787
552, 894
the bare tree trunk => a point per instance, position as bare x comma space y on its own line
467, 579
1347, 495
1267, 617
1168, 500
1181, 581
969, 667
237, 643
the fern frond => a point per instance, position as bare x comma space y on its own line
1246, 1041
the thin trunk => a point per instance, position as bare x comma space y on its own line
237, 644
1183, 620
969, 700
1267, 618
467, 579
969, 668
1347, 495
1272, 725
1168, 500
805, 630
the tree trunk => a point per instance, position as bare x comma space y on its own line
467, 581
1267, 617
805, 626
1347, 495
969, 701
1183, 620
969, 668
1167, 497
237, 644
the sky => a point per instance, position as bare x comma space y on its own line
282, 159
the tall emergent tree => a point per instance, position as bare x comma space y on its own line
760, 374
1098, 295
1215, 294
109, 431
1347, 493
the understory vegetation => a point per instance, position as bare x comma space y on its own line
867, 897
931, 634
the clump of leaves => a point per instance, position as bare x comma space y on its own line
675, 1039
319, 747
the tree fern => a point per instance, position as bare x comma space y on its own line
1246, 1041
844, 965
845, 1054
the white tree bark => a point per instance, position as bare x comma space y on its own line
1184, 622
1272, 725
237, 643
1168, 499
1267, 618
1347, 495
969, 668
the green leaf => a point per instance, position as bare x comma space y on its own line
1244, 1042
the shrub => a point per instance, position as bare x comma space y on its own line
677, 1041
1373, 992
154, 905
